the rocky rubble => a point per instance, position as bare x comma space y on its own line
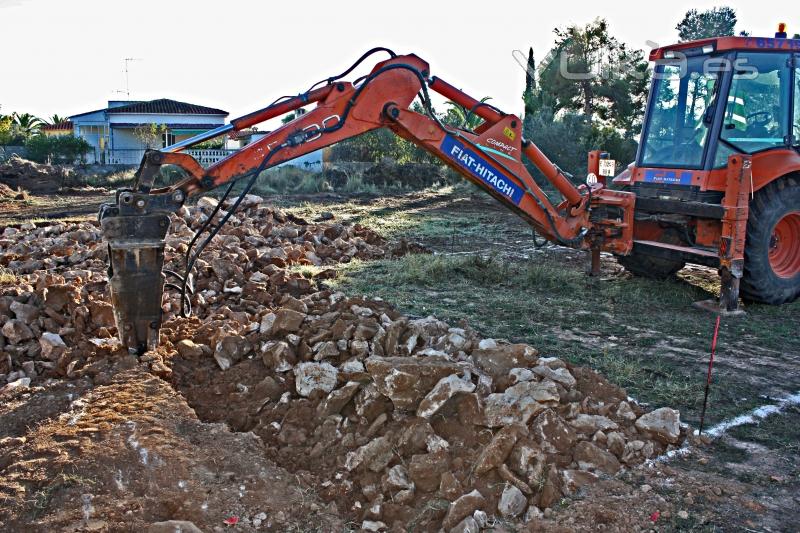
396, 420
54, 310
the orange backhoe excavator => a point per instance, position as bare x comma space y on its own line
716, 180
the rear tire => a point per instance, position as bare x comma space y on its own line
651, 267
648, 266
772, 248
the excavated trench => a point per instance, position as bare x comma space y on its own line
387, 422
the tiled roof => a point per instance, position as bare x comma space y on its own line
166, 106
61, 126
87, 113
169, 125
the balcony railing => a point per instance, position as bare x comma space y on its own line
209, 157
134, 156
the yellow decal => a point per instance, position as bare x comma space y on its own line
509, 133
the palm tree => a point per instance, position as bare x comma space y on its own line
26, 124
54, 119
463, 118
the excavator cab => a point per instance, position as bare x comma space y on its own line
755, 111
717, 174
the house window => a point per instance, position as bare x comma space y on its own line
167, 139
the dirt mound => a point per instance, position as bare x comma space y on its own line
7, 193
391, 421
120, 456
36, 178
412, 175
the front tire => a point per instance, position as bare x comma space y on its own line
772, 248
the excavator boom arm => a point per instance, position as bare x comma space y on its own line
490, 157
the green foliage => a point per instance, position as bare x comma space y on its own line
716, 22
52, 120
7, 133
568, 139
150, 135
461, 117
530, 73
25, 125
211, 144
566, 118
533, 96
58, 149
603, 79
376, 145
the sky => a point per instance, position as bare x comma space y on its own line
67, 56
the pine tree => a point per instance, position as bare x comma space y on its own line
716, 22
531, 96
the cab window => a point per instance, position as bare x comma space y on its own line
758, 104
677, 129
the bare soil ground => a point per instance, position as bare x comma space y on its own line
60, 442
37, 191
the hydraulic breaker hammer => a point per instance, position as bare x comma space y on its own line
134, 227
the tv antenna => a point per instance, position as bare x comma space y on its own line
127, 90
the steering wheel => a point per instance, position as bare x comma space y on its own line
767, 118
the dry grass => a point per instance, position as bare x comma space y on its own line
7, 277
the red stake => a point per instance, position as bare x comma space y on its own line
708, 378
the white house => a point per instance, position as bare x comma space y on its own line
313, 162
111, 131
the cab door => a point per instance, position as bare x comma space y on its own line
795, 140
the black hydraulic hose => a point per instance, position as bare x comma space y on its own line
187, 271
191, 259
352, 67
207, 222
191, 262
475, 108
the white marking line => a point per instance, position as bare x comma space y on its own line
753, 417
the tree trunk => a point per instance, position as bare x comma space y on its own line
587, 98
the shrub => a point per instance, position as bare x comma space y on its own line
566, 140
377, 145
60, 149
387, 174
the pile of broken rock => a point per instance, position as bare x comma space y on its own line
410, 421
396, 421
54, 305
